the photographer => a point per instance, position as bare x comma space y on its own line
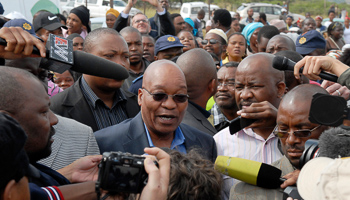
293, 129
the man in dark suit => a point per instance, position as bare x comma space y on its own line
201, 82
95, 101
163, 100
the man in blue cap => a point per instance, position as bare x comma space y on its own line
167, 47
24, 24
311, 43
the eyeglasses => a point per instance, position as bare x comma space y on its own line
211, 41
228, 84
178, 98
298, 133
141, 20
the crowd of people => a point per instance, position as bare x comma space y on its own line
187, 85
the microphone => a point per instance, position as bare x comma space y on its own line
249, 171
284, 64
61, 57
335, 142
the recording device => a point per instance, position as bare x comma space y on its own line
121, 172
240, 123
61, 57
328, 110
249, 171
311, 151
283, 64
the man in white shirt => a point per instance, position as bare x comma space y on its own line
258, 91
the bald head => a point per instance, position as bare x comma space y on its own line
162, 68
280, 43
261, 63
129, 29
11, 79
301, 94
199, 69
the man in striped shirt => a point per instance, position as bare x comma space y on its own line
258, 91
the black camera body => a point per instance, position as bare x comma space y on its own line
122, 172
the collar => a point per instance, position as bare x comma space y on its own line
83, 33
93, 98
219, 117
250, 132
202, 110
144, 66
178, 140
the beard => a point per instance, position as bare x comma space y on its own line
135, 62
43, 153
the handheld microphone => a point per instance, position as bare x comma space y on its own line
61, 57
283, 64
249, 171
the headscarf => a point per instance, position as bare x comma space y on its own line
249, 30
113, 12
191, 23
84, 15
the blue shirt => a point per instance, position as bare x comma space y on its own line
178, 142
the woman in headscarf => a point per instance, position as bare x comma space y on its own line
189, 26
78, 22
111, 17
250, 33
335, 36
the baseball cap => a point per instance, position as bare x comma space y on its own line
27, 26
325, 178
14, 160
48, 21
309, 42
166, 42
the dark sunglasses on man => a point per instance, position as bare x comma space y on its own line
160, 96
211, 41
298, 133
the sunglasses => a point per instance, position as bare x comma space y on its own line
178, 98
298, 133
211, 41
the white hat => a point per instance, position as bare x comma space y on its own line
15, 15
296, 29
283, 10
325, 178
219, 32
345, 47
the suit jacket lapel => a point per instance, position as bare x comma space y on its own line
80, 109
200, 117
137, 135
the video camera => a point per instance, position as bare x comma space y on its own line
121, 172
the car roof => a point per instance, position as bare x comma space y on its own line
259, 4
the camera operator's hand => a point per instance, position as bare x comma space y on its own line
291, 179
82, 170
158, 178
313, 65
264, 111
19, 43
336, 89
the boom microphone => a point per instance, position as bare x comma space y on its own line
61, 57
283, 64
249, 171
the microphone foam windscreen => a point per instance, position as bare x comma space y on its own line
279, 63
334, 142
93, 65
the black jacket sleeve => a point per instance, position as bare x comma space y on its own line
120, 23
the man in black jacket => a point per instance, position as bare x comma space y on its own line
95, 101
